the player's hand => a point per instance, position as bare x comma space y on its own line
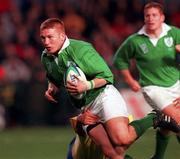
49, 94
88, 118
78, 86
176, 102
134, 85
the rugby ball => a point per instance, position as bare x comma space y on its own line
70, 74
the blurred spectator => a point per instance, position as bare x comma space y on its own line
14, 88
74, 23
16, 69
5, 6
121, 26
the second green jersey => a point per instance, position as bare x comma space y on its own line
85, 57
156, 63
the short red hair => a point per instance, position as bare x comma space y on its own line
51, 23
154, 5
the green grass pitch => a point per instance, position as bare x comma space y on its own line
51, 143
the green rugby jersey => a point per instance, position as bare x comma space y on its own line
85, 57
156, 64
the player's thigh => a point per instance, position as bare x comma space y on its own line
119, 131
110, 104
99, 135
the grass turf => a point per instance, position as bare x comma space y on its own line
51, 143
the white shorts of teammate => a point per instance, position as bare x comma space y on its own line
161, 97
109, 104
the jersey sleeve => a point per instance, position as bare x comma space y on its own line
94, 65
123, 55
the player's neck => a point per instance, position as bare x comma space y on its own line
154, 33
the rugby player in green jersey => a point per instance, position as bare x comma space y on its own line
102, 98
154, 49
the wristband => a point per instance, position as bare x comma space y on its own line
90, 85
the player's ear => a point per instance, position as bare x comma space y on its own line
62, 36
162, 18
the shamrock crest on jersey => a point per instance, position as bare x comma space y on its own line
168, 41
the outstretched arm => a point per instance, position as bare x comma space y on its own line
87, 118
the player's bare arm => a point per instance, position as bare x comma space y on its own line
83, 85
88, 118
133, 84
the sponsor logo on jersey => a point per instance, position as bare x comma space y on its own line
144, 48
168, 41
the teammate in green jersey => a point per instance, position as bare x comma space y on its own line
102, 98
153, 48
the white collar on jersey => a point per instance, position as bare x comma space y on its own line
65, 45
165, 29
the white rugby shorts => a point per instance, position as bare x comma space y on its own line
109, 104
160, 97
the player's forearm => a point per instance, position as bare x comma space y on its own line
127, 76
133, 84
85, 85
99, 82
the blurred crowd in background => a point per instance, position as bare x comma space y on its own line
104, 23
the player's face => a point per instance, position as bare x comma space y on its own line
52, 39
153, 19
